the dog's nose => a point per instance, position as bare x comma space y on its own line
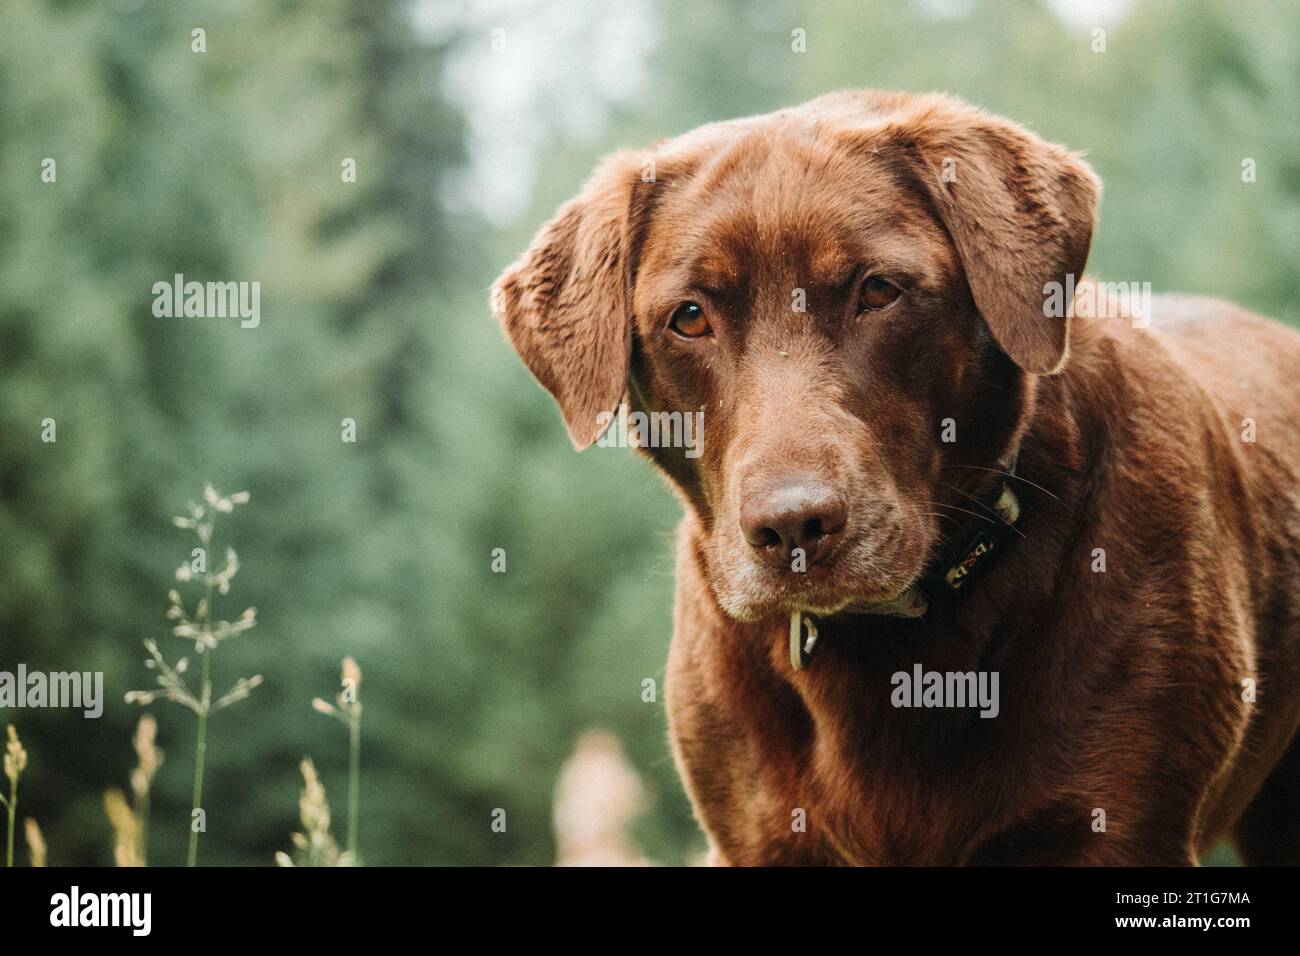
806, 515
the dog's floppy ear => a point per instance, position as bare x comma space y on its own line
566, 303
1020, 211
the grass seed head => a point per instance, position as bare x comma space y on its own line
15, 757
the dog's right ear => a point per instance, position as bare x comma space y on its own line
565, 304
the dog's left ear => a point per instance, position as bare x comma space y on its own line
565, 304
1020, 211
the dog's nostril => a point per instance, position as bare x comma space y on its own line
801, 516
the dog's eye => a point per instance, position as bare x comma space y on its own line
689, 321
878, 293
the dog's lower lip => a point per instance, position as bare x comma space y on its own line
826, 599
825, 604
835, 607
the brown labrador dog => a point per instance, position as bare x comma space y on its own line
1050, 554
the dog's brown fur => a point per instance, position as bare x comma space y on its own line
1121, 690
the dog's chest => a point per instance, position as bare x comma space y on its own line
897, 766
889, 823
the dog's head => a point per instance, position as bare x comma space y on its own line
851, 291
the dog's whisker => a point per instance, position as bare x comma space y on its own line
999, 471
995, 385
974, 514
934, 514
991, 511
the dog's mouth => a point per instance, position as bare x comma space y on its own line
820, 605
846, 586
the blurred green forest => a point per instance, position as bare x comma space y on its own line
225, 165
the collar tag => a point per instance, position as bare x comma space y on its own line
800, 648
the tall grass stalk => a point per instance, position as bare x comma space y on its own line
149, 758
36, 849
126, 828
206, 631
130, 819
15, 764
200, 758
347, 709
354, 782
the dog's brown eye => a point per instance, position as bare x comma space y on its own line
878, 293
689, 321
